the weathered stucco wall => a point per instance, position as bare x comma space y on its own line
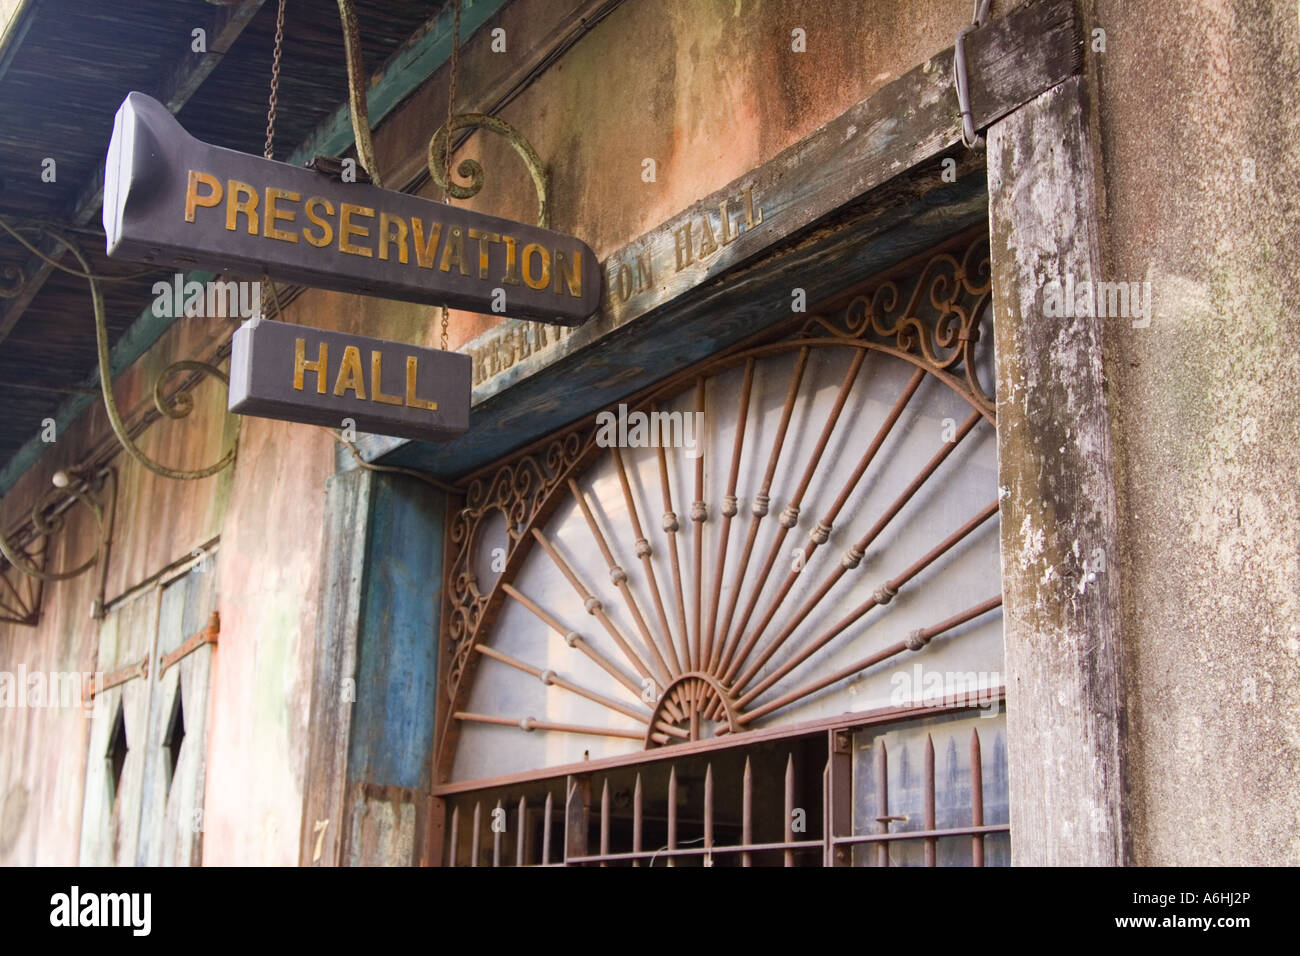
1198, 123
706, 89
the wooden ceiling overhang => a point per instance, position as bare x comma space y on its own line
65, 67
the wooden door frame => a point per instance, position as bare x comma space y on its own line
867, 190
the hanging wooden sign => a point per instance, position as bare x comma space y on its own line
172, 200
297, 374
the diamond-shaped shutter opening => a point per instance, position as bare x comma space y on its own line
175, 736
117, 748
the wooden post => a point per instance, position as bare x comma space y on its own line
347, 509
1065, 713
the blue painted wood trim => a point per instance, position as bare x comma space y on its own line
392, 731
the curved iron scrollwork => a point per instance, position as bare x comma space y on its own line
929, 316
939, 320
21, 604
471, 170
518, 491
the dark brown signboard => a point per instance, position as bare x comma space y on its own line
297, 374
172, 200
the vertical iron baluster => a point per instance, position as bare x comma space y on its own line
976, 799
498, 814
838, 788
708, 814
519, 832
699, 511
931, 844
672, 814
882, 801
546, 829
747, 813
789, 808
577, 816
455, 836
637, 808
473, 841
604, 821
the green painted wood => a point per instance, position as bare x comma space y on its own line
418, 59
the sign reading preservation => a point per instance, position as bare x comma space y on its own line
297, 374
172, 200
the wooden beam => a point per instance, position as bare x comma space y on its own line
1056, 469
185, 78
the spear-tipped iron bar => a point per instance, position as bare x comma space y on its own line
976, 798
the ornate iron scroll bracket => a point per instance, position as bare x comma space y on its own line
471, 170
27, 553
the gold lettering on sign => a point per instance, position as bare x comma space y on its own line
284, 215
350, 374
453, 251
412, 375
300, 364
234, 206
506, 349
192, 198
708, 244
326, 236
376, 379
388, 235
531, 279
485, 240
424, 251
512, 265
572, 277
273, 215
347, 229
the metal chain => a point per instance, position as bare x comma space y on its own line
275, 80
451, 112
